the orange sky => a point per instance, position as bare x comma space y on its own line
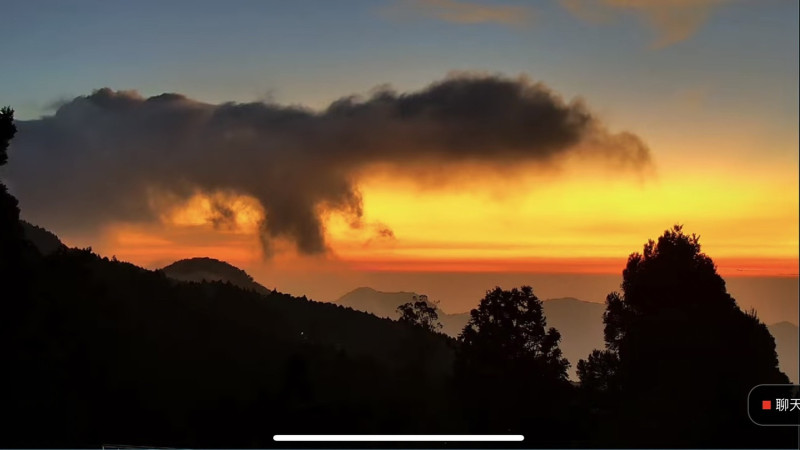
577, 220
567, 233
711, 90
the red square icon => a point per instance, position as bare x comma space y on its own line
766, 404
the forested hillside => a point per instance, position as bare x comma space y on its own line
97, 351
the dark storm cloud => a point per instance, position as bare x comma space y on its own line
101, 157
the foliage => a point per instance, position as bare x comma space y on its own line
510, 327
599, 371
674, 336
204, 364
509, 361
421, 314
7, 131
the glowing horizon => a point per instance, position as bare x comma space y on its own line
544, 224
711, 100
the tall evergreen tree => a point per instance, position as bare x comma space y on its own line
509, 367
680, 354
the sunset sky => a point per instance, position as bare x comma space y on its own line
708, 87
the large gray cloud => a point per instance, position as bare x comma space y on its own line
98, 158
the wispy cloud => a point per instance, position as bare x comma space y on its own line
461, 12
672, 20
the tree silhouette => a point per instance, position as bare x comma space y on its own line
7, 132
679, 348
509, 365
17, 256
510, 326
12, 245
212, 364
599, 371
421, 314
193, 364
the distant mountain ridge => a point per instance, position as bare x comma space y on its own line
381, 304
207, 357
786, 345
210, 269
579, 322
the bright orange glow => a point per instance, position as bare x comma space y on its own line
752, 267
201, 208
571, 221
157, 245
579, 222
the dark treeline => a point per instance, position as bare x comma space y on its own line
97, 351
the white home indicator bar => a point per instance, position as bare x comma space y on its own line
398, 438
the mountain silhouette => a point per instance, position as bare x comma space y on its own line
581, 326
44, 241
96, 350
210, 269
579, 322
786, 334
230, 364
381, 304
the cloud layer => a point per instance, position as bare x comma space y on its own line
114, 156
672, 20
